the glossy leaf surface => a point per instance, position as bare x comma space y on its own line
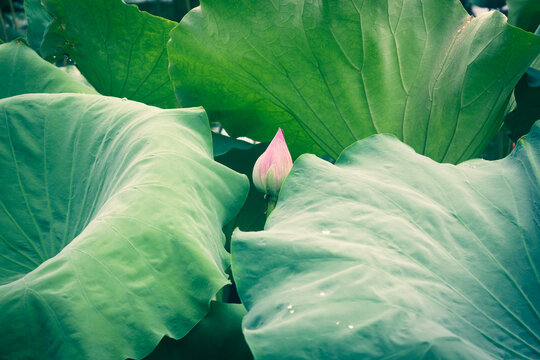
120, 50
390, 255
332, 72
110, 225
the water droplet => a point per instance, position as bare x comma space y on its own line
291, 311
124, 99
322, 293
338, 322
350, 326
326, 232
473, 166
289, 307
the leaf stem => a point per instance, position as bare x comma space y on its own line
13, 14
3, 26
270, 204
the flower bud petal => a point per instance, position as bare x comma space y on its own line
273, 166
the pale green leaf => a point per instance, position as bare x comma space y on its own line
22, 71
110, 225
390, 255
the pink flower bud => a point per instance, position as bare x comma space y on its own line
273, 166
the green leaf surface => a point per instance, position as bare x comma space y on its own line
332, 72
390, 255
217, 336
524, 13
110, 225
38, 20
22, 71
120, 50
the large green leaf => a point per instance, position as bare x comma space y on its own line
120, 50
22, 71
110, 225
343, 70
390, 255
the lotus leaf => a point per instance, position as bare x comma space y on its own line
120, 50
390, 255
332, 72
111, 225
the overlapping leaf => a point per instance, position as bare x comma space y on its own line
331, 72
120, 50
111, 216
22, 71
390, 255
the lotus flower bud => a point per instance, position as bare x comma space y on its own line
273, 166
